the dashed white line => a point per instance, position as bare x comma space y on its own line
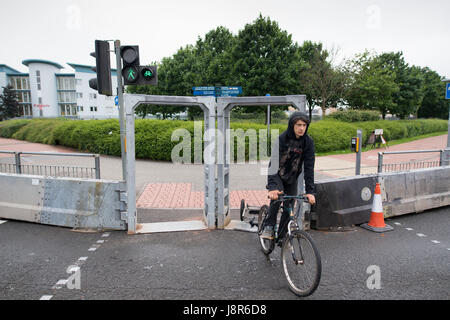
92, 249
435, 241
101, 241
106, 234
61, 283
409, 229
421, 235
397, 223
46, 297
82, 259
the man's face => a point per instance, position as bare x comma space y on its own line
299, 128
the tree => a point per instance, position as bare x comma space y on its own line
433, 103
409, 96
323, 84
265, 60
372, 86
9, 104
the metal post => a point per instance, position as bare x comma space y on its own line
358, 154
121, 108
380, 162
18, 167
97, 166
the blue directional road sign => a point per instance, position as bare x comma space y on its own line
230, 91
447, 91
204, 91
217, 91
116, 100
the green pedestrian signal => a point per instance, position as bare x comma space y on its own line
131, 75
132, 72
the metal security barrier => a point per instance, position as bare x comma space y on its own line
347, 202
224, 107
19, 167
410, 165
66, 202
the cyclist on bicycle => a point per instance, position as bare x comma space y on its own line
295, 147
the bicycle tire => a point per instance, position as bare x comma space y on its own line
267, 245
241, 211
311, 267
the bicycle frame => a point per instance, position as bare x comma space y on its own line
293, 218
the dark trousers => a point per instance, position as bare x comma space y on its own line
290, 190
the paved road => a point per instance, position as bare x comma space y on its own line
414, 261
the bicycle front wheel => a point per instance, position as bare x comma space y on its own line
301, 262
267, 245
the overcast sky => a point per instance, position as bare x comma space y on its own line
64, 31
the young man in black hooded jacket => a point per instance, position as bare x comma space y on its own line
295, 147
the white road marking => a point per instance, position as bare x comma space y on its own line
421, 235
409, 229
105, 235
82, 259
2, 221
92, 249
435, 241
46, 297
61, 283
101, 241
397, 223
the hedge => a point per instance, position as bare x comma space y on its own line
153, 137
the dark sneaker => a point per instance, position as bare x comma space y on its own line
267, 233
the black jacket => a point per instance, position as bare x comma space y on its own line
292, 153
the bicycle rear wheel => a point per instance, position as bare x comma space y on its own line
267, 245
301, 262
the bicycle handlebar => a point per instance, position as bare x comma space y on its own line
283, 197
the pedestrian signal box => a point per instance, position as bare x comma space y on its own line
355, 144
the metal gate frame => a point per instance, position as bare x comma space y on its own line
224, 107
208, 105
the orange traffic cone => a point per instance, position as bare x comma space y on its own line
376, 222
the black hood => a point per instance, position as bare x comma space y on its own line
297, 115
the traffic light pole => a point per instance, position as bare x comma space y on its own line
121, 108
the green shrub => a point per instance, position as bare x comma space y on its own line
8, 128
350, 115
153, 137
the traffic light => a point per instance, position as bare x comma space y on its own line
103, 69
132, 72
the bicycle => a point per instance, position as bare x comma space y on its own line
302, 265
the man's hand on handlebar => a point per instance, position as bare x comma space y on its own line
311, 199
273, 195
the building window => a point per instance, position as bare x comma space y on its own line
94, 109
38, 79
80, 108
68, 110
92, 96
67, 97
20, 83
23, 96
25, 110
66, 83
79, 95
